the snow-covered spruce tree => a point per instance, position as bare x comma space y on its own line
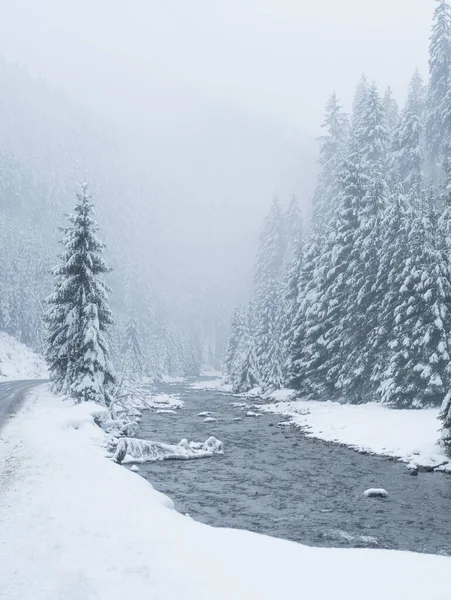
303, 276
406, 161
359, 107
439, 96
266, 325
293, 230
132, 349
289, 305
419, 367
333, 145
325, 342
235, 337
78, 315
244, 374
361, 316
391, 111
395, 252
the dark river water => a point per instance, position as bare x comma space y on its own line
275, 481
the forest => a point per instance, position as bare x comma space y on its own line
356, 307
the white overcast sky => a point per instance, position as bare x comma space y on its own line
222, 99
276, 58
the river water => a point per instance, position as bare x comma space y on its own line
276, 481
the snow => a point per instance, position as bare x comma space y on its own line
375, 493
17, 361
75, 525
409, 435
166, 411
168, 401
212, 384
171, 380
209, 420
136, 450
134, 468
205, 413
251, 413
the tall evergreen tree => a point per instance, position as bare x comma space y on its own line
293, 229
391, 110
407, 152
78, 315
132, 348
419, 367
244, 374
439, 95
326, 341
266, 324
235, 337
361, 316
332, 153
395, 252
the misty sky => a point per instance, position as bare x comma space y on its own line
224, 99
277, 58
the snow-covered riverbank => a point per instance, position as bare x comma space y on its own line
409, 435
78, 526
17, 361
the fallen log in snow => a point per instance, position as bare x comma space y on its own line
139, 451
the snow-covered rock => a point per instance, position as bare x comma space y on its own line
209, 420
165, 401
134, 468
166, 411
205, 413
251, 413
375, 493
17, 361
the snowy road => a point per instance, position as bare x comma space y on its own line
11, 395
276, 481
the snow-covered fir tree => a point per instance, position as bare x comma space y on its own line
395, 252
132, 353
78, 315
293, 230
361, 315
439, 96
407, 148
419, 366
243, 373
333, 144
235, 338
266, 324
391, 110
325, 344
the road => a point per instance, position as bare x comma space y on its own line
12, 394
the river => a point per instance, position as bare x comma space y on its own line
274, 480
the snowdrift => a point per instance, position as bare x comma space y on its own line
17, 361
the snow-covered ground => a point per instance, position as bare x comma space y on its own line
17, 361
77, 526
409, 435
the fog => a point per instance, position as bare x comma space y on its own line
222, 101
